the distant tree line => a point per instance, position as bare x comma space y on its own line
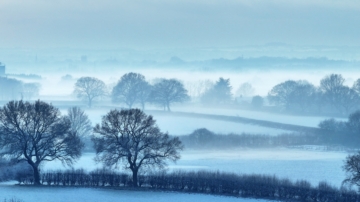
205, 139
131, 89
332, 96
218, 183
11, 89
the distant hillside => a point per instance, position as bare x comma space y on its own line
264, 62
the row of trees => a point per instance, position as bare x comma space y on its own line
332, 96
16, 89
132, 88
37, 133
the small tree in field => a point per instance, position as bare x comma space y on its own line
131, 88
168, 91
36, 133
132, 138
89, 89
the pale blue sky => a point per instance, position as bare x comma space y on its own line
177, 23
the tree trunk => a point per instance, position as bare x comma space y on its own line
36, 174
135, 177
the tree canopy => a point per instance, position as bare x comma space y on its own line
36, 133
168, 91
131, 137
132, 88
89, 89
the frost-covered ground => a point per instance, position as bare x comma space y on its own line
185, 125
311, 165
311, 121
314, 166
61, 194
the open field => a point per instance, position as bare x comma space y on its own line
313, 166
61, 194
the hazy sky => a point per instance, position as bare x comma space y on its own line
177, 23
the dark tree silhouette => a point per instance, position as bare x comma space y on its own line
36, 133
89, 89
131, 137
352, 169
220, 93
131, 88
168, 91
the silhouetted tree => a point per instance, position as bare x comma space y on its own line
352, 169
220, 93
36, 133
131, 137
130, 89
89, 89
168, 91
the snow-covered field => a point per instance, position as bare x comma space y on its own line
61, 194
311, 165
314, 166
311, 121
185, 125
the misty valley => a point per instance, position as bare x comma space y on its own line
299, 141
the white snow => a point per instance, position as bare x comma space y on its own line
313, 166
61, 194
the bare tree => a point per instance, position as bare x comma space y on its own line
331, 85
131, 88
89, 89
168, 91
132, 138
79, 122
36, 133
352, 169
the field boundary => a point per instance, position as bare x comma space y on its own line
239, 119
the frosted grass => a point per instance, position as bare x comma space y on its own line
61, 194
